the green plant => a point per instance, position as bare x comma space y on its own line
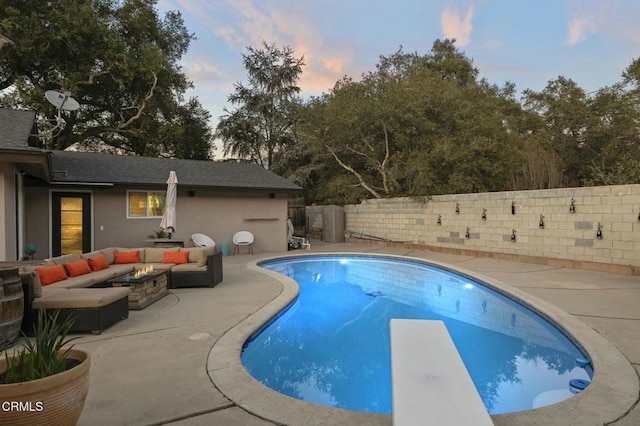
41, 356
158, 234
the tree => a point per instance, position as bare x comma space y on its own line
595, 136
263, 122
540, 166
564, 108
615, 130
421, 125
118, 59
418, 125
189, 132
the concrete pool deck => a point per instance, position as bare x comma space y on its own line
168, 363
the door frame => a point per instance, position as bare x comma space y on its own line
88, 217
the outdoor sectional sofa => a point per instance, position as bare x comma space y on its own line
85, 294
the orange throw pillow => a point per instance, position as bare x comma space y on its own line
79, 267
127, 257
51, 274
98, 263
176, 257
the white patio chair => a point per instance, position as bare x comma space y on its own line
201, 240
242, 238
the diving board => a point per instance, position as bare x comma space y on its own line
430, 383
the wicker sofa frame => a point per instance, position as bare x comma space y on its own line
93, 320
208, 278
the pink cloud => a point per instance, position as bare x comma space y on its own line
454, 26
325, 63
579, 29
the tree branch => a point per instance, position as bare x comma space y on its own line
92, 76
142, 107
383, 166
5, 46
355, 173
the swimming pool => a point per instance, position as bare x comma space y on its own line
331, 346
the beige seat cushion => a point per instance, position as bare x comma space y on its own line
108, 253
29, 276
33, 279
123, 268
67, 258
75, 282
82, 281
198, 255
48, 290
81, 298
104, 275
157, 266
156, 254
33, 266
91, 254
189, 267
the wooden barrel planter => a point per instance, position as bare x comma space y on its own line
11, 306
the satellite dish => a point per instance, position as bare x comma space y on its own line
62, 101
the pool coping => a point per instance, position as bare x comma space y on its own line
612, 393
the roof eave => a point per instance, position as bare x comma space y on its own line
30, 156
82, 183
182, 186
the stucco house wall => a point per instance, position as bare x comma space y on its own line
213, 213
37, 218
18, 158
218, 215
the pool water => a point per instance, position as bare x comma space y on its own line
331, 347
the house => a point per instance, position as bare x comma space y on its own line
64, 202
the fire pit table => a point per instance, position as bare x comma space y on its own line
145, 288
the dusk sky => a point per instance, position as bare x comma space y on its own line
527, 42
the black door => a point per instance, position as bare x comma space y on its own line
71, 223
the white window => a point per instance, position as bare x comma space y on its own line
145, 204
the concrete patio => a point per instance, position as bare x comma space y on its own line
159, 365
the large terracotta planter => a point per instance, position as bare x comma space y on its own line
53, 400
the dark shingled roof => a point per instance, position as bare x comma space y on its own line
91, 167
15, 129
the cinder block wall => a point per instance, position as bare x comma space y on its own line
567, 239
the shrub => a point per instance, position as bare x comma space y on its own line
41, 356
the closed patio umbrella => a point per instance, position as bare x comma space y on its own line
168, 223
